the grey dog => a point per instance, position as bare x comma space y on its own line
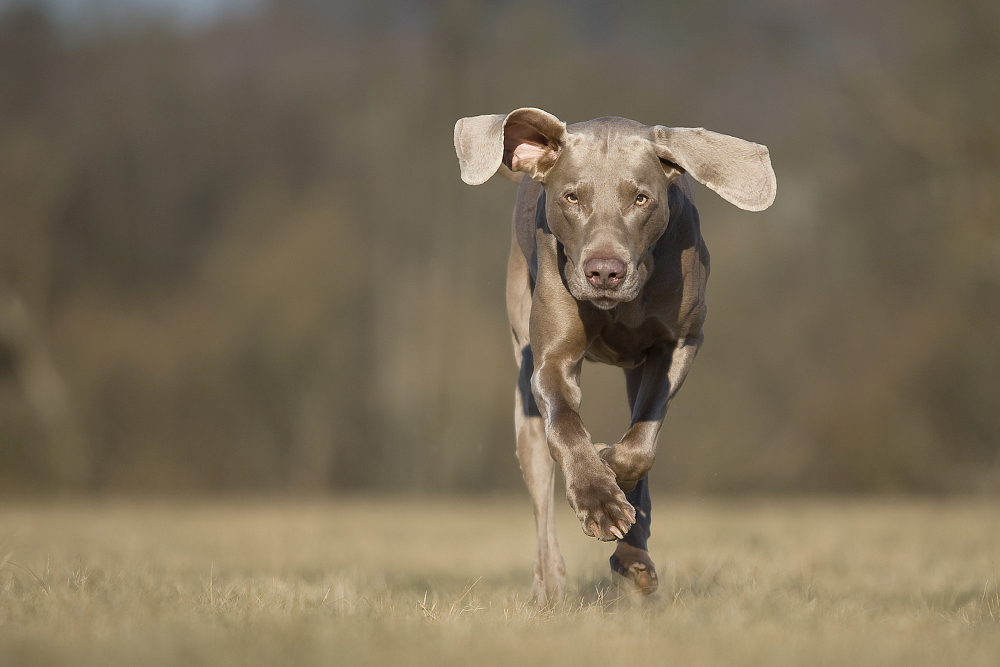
607, 263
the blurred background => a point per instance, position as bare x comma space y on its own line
236, 254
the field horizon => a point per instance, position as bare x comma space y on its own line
404, 581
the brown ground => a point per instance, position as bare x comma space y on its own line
416, 582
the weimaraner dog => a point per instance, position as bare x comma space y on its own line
607, 263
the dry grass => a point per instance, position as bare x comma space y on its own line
446, 582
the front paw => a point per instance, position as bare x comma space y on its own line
599, 503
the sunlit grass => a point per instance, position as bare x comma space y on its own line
448, 582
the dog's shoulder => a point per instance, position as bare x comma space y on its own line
683, 227
529, 214
686, 186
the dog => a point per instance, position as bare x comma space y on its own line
607, 263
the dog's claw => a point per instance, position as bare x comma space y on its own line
599, 503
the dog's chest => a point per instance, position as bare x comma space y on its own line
624, 345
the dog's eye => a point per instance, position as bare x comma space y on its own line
572, 198
641, 199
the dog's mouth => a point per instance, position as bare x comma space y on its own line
605, 299
605, 302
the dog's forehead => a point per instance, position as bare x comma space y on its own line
625, 143
610, 125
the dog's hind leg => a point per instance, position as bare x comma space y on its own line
538, 469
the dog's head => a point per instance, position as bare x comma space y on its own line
606, 184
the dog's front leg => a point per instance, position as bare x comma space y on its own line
559, 339
652, 386
591, 488
558, 342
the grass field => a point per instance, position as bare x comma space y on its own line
417, 582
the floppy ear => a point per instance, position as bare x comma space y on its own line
527, 140
740, 171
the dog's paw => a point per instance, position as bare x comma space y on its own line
634, 564
599, 503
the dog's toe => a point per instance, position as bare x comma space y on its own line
644, 579
601, 506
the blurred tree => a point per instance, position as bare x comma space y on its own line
245, 249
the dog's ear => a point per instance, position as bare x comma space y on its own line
527, 140
740, 171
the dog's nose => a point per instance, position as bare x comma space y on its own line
604, 273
